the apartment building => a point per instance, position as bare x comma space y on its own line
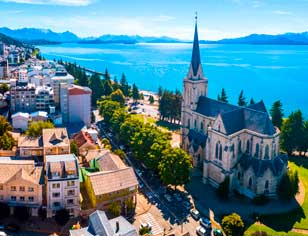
44, 98
62, 184
60, 77
22, 97
55, 141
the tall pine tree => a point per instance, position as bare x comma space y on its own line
277, 114
241, 99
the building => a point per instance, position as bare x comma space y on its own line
44, 98
56, 80
84, 142
62, 184
72, 96
20, 120
21, 184
23, 76
39, 116
225, 140
4, 70
100, 225
23, 97
114, 182
55, 141
30, 146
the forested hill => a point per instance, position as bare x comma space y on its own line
10, 41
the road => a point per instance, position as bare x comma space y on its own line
173, 212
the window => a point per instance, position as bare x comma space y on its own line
248, 147
1, 186
31, 199
220, 152
257, 150
13, 188
239, 175
250, 182
22, 198
22, 188
70, 201
239, 146
266, 154
71, 192
195, 125
56, 204
188, 123
216, 151
266, 184
57, 185
31, 189
71, 183
13, 198
201, 126
55, 194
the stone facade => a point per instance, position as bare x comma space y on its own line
225, 140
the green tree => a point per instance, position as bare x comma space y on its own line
120, 153
135, 93
114, 209
305, 138
252, 102
107, 87
4, 126
287, 187
118, 118
35, 128
124, 85
129, 128
106, 143
62, 216
107, 75
170, 106
292, 132
277, 114
107, 108
7, 142
4, 88
97, 88
74, 148
151, 99
118, 96
233, 225
241, 99
175, 167
129, 203
222, 96
160, 91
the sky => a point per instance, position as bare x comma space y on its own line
217, 19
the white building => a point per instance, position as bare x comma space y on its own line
76, 104
23, 97
44, 98
20, 120
62, 184
56, 80
23, 75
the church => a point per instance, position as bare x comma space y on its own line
229, 141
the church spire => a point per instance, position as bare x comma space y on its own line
195, 59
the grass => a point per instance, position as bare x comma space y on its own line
143, 118
169, 126
270, 232
297, 218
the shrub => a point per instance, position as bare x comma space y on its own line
233, 225
223, 189
62, 216
144, 230
114, 209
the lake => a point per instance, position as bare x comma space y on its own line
268, 72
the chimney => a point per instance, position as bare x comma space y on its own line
117, 226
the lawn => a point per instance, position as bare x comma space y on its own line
144, 118
297, 218
270, 232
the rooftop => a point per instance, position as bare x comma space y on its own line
55, 137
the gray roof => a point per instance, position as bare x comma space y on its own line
235, 118
125, 228
259, 166
195, 59
99, 224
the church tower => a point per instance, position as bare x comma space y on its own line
195, 85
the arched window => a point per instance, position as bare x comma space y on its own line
239, 146
250, 182
195, 126
248, 147
266, 154
217, 150
220, 152
266, 184
201, 126
188, 123
257, 150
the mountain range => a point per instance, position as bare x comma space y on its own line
46, 36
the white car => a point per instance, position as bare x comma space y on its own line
195, 214
201, 231
2, 233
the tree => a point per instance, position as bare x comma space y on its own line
124, 85
118, 96
107, 108
305, 138
129, 128
160, 91
114, 209
4, 210
223, 96
135, 93
233, 225
175, 166
35, 128
4, 88
129, 203
287, 187
7, 142
21, 213
118, 118
252, 102
107, 87
106, 143
120, 153
62, 216
74, 148
107, 75
4, 126
241, 99
151, 99
224, 188
277, 113
97, 88
292, 132
170, 105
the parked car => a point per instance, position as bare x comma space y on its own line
2, 233
187, 205
201, 231
138, 172
205, 222
168, 197
217, 232
195, 214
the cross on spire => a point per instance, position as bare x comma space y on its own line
196, 16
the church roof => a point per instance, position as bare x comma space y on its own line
195, 59
259, 166
235, 118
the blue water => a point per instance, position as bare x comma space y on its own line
268, 72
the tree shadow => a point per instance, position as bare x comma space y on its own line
168, 125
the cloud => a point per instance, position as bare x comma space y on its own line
280, 12
52, 2
163, 18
